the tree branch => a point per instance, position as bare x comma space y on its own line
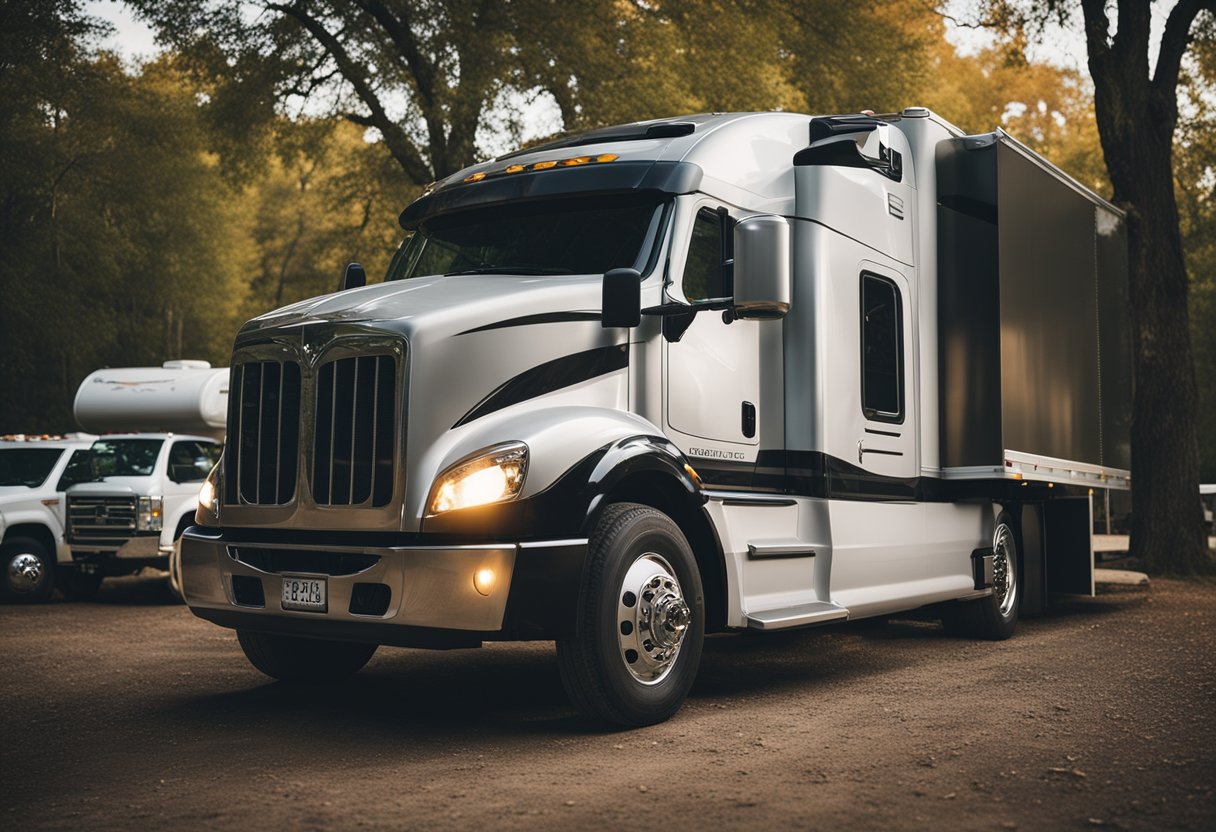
1097, 30
395, 137
1174, 41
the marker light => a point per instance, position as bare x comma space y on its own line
513, 168
492, 476
476, 177
577, 160
483, 581
544, 165
606, 157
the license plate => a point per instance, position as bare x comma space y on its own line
301, 593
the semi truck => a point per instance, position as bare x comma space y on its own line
139, 486
710, 374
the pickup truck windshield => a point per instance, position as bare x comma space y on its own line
124, 457
27, 466
586, 235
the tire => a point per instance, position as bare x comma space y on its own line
29, 571
611, 670
80, 586
294, 659
995, 617
173, 584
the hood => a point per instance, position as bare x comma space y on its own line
439, 305
11, 493
111, 486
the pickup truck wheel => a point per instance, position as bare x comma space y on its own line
29, 571
174, 582
994, 618
641, 620
80, 586
294, 659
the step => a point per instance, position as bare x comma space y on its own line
817, 612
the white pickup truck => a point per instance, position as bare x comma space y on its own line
33, 477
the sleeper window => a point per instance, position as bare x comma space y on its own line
882, 393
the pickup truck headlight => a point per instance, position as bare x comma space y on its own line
208, 513
151, 515
490, 476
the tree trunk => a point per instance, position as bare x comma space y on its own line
1136, 121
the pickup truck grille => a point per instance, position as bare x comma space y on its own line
264, 433
354, 430
100, 518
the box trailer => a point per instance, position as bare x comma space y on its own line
728, 372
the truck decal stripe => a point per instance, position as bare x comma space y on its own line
552, 375
543, 318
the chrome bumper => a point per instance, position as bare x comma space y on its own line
432, 587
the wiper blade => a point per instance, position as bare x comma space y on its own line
509, 270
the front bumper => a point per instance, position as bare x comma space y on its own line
432, 601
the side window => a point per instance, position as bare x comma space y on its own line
77, 470
882, 350
707, 271
192, 461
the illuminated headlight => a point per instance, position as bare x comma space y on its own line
151, 516
491, 476
208, 513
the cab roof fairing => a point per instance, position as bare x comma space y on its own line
741, 158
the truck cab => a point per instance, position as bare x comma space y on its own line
141, 493
34, 474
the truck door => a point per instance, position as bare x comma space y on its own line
712, 371
885, 423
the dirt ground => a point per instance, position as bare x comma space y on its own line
130, 713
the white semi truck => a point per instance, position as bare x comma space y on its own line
717, 373
140, 489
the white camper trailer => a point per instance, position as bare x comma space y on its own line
718, 373
141, 489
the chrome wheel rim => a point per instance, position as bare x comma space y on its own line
1004, 570
652, 619
26, 572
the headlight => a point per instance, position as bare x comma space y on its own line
492, 476
151, 516
208, 513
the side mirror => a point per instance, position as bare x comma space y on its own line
762, 267
353, 277
622, 298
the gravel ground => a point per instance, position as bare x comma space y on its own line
129, 713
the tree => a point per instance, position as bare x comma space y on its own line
426, 74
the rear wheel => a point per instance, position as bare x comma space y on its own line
29, 571
995, 617
294, 659
641, 620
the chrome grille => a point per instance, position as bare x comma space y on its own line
100, 518
354, 429
264, 433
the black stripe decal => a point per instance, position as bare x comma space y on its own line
552, 375
542, 318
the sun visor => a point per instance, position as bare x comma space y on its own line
494, 187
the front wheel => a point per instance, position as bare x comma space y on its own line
641, 620
29, 571
994, 617
295, 659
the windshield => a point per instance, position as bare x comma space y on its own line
27, 466
565, 236
124, 457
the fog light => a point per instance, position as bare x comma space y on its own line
483, 581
